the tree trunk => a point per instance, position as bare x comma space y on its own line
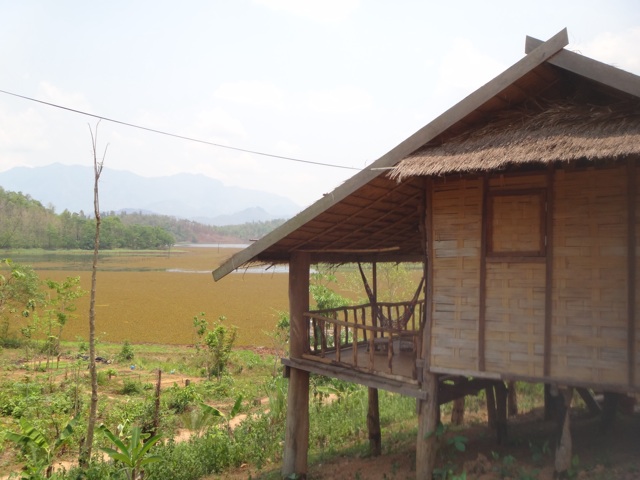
85, 454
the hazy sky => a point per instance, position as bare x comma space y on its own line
335, 81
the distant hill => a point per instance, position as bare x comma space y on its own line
194, 197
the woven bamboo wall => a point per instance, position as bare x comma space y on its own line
515, 291
589, 330
589, 314
457, 220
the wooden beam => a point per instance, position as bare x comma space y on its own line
486, 231
632, 265
456, 113
591, 69
428, 409
548, 287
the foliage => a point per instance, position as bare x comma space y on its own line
59, 309
212, 412
20, 294
26, 223
181, 398
38, 451
133, 452
321, 292
214, 344
126, 352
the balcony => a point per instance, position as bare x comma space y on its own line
375, 345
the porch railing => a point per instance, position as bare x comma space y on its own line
354, 336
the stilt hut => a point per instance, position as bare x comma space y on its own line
522, 204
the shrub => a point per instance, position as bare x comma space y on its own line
131, 387
126, 353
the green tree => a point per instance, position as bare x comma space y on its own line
215, 344
20, 294
59, 308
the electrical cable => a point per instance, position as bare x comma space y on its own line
175, 135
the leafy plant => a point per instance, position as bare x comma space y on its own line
39, 452
214, 344
133, 452
126, 352
213, 412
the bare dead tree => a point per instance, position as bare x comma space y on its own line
85, 454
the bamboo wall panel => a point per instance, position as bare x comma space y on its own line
457, 221
516, 223
589, 329
515, 301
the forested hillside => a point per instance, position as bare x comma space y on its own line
26, 223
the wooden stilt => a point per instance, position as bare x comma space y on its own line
457, 410
501, 413
549, 404
426, 446
563, 432
512, 400
491, 407
609, 409
373, 423
296, 443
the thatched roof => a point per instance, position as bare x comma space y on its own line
547, 133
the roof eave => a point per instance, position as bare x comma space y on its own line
535, 57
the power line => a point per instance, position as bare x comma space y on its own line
175, 135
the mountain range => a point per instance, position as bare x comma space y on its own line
184, 195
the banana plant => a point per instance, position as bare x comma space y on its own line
132, 452
213, 412
39, 452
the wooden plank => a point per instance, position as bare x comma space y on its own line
463, 108
482, 291
632, 266
590, 68
548, 292
410, 389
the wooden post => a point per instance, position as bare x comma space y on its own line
373, 423
563, 432
426, 446
296, 443
428, 411
491, 407
457, 409
156, 409
501, 412
512, 399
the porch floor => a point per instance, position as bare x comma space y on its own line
400, 378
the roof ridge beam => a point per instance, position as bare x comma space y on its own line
592, 69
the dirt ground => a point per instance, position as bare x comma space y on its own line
527, 455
